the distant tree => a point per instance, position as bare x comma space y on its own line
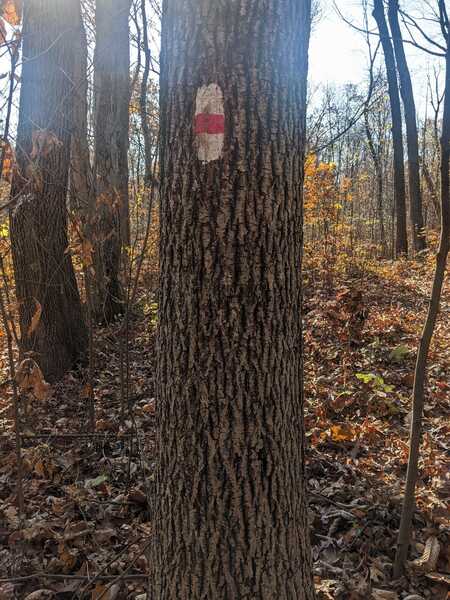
412, 138
143, 99
376, 147
401, 239
231, 505
110, 224
51, 320
430, 151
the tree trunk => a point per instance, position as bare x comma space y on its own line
412, 138
401, 244
431, 188
143, 101
376, 158
404, 535
81, 177
231, 516
45, 280
112, 93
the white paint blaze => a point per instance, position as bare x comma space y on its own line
209, 122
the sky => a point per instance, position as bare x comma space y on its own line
338, 53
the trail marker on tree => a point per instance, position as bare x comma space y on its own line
209, 122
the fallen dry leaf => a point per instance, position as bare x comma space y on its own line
428, 561
36, 318
149, 408
40, 595
7, 591
343, 432
30, 379
439, 577
384, 595
44, 142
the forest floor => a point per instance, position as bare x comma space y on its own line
87, 520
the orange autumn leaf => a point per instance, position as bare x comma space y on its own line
36, 318
99, 591
8, 161
87, 392
12, 11
343, 433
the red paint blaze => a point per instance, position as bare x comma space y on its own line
209, 123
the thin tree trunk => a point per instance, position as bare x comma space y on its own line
404, 536
81, 176
231, 516
112, 93
143, 100
376, 158
431, 188
44, 275
401, 244
412, 138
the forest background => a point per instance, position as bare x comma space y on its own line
77, 410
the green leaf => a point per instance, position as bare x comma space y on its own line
344, 393
399, 353
366, 377
96, 481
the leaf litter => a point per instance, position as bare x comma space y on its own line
88, 500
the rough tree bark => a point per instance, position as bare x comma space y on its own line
43, 270
412, 137
404, 535
112, 93
401, 240
231, 517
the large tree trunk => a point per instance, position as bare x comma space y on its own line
231, 516
412, 138
44, 274
401, 240
112, 95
